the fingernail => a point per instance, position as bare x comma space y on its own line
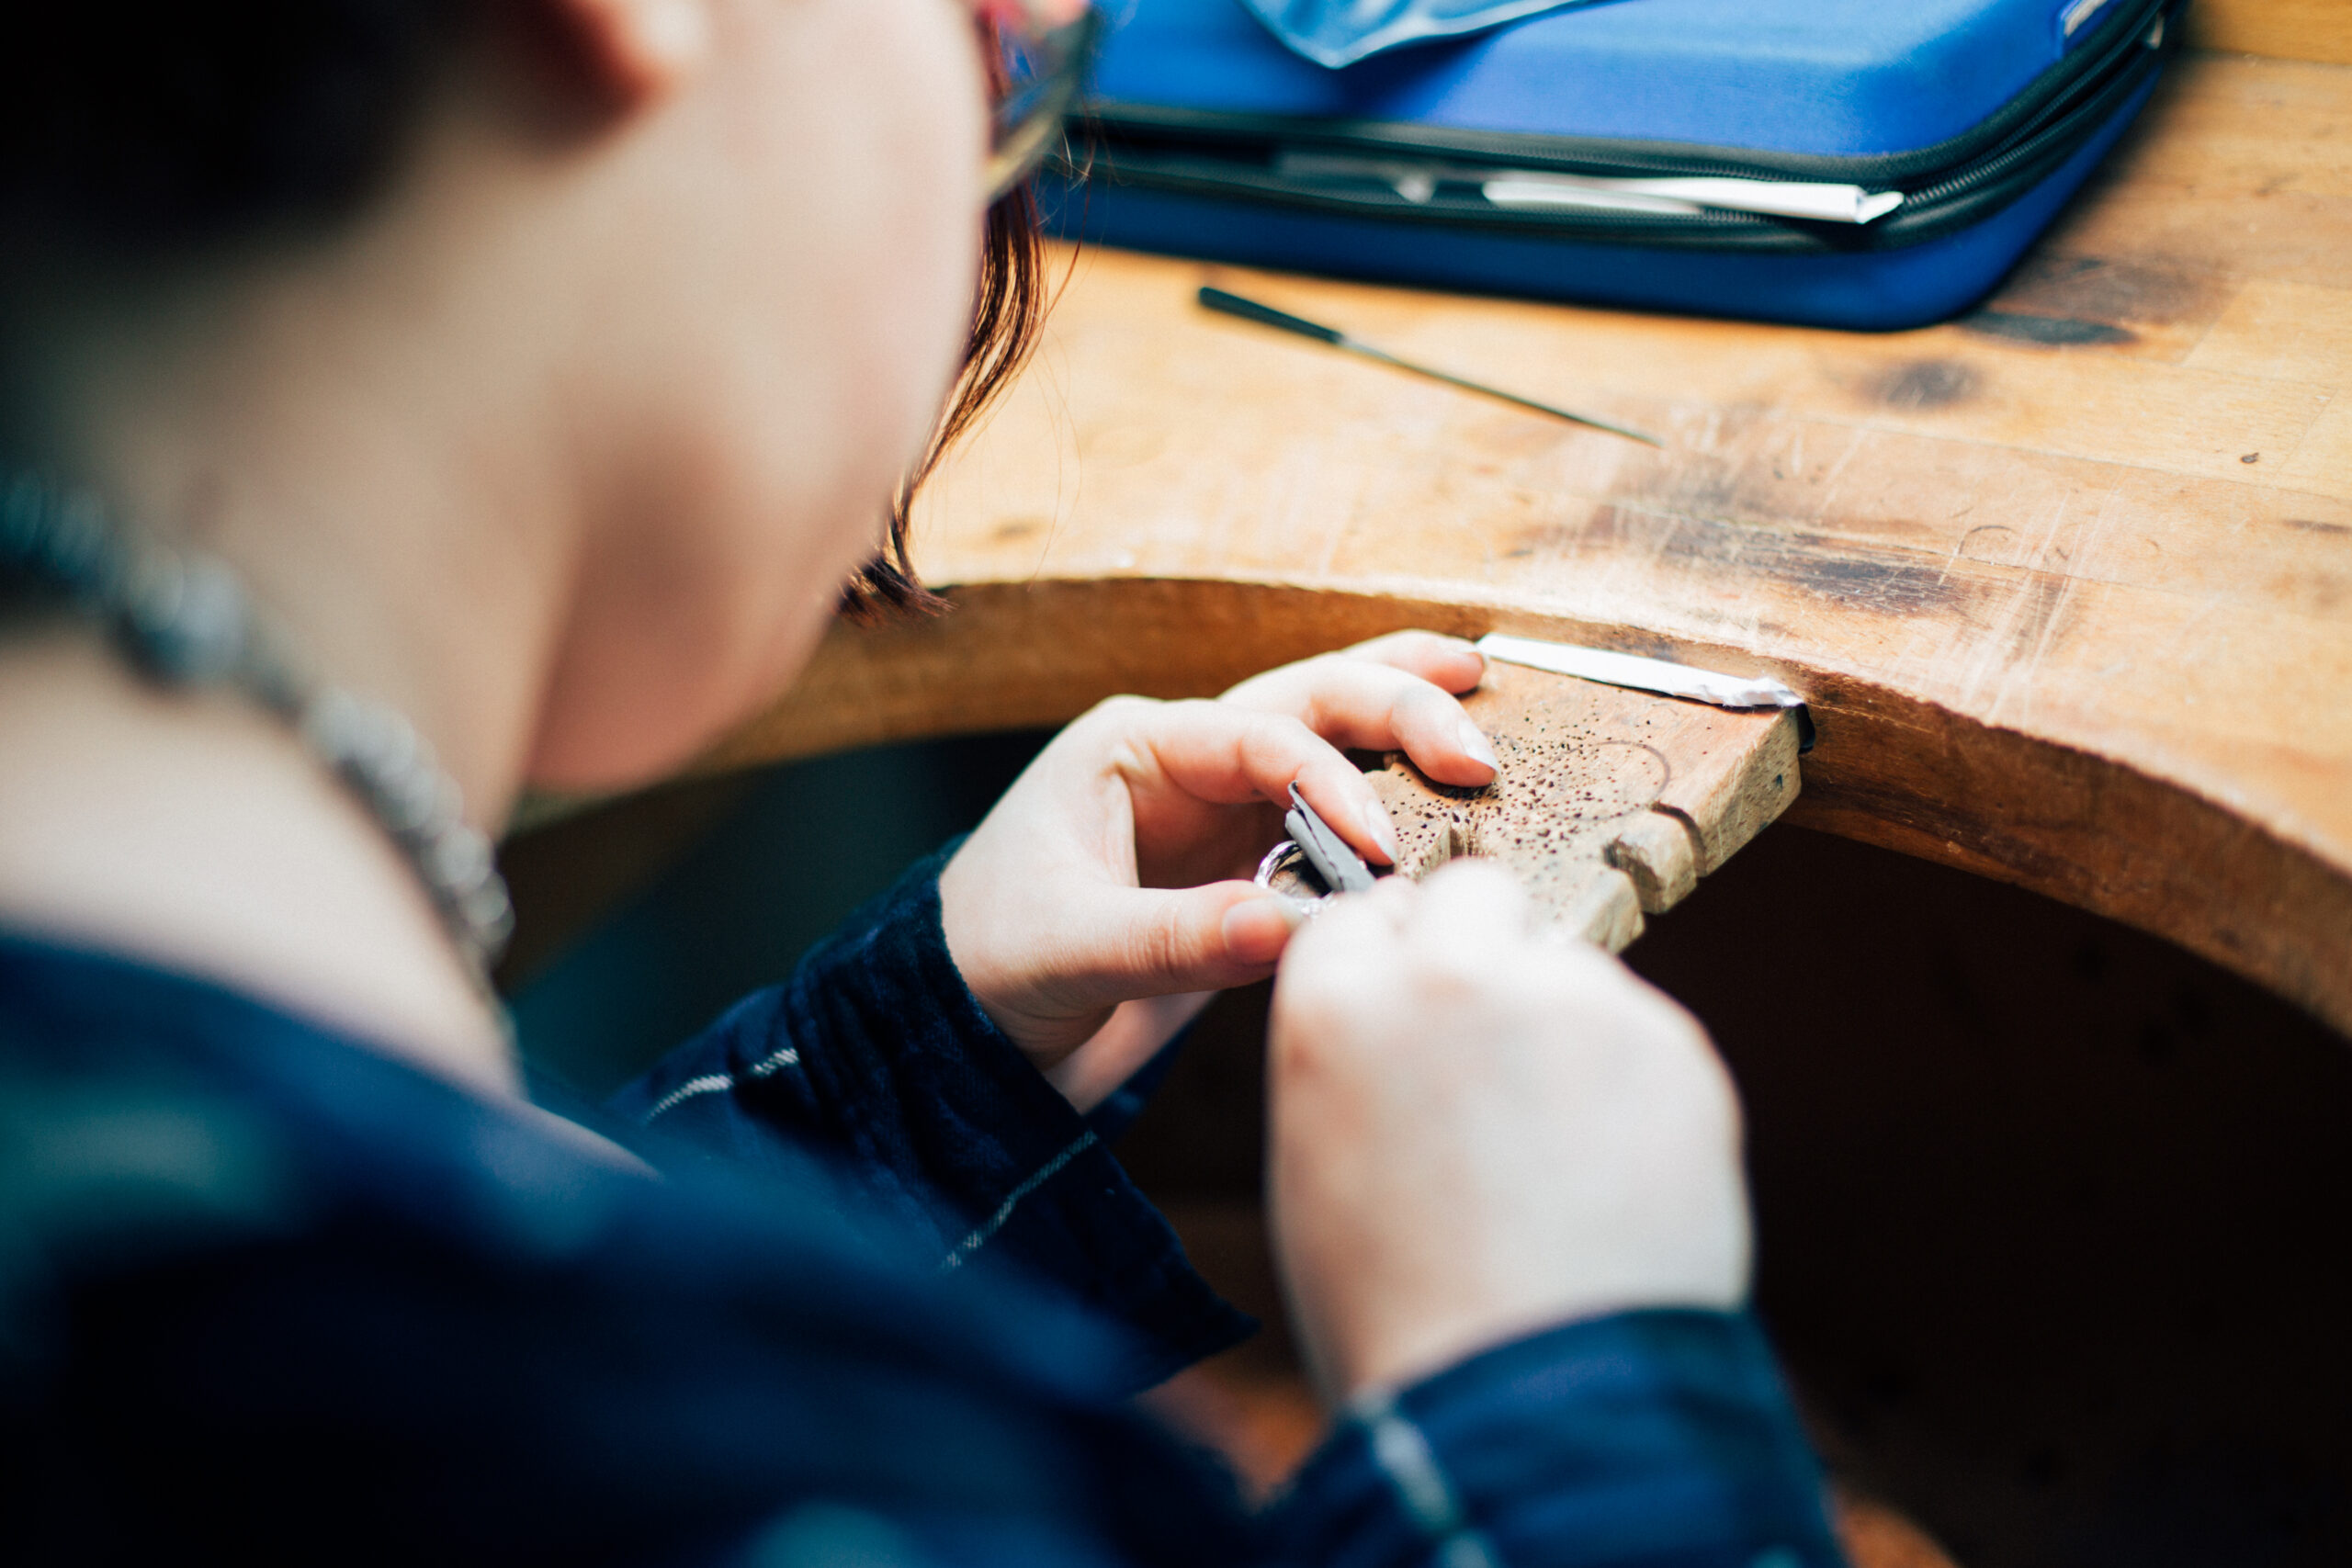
1475, 743
1249, 911
1384, 832
1249, 937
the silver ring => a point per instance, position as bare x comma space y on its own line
1286, 872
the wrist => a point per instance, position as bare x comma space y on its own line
966, 943
1397, 1348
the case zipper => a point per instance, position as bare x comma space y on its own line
1650, 193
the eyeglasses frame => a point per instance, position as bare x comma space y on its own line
1028, 129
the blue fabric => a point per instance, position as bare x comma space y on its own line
1575, 1447
1844, 78
1334, 33
876, 1055
1864, 290
267, 1294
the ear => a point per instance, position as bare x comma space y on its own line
638, 51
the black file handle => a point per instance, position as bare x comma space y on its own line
1266, 315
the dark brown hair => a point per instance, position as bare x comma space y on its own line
1008, 307
154, 129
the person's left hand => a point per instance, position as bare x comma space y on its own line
1106, 896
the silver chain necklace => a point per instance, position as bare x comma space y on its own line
185, 620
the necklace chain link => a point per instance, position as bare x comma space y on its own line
184, 620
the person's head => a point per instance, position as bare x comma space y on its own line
694, 275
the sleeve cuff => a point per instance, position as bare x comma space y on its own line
1648, 1437
926, 1107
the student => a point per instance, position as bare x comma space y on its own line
535, 373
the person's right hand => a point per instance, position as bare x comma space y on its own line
1480, 1131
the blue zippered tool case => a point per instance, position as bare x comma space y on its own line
1838, 163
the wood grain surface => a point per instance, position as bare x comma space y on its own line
1608, 804
2067, 581
2291, 30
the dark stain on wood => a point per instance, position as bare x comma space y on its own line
1901, 587
2118, 294
2312, 526
2056, 331
1883, 581
1925, 384
2314, 594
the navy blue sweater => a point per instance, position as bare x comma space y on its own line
842, 1282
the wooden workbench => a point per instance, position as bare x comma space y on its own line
2068, 582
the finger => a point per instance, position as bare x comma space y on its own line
1377, 708
1227, 754
1470, 912
1360, 924
1138, 1030
1450, 662
1476, 910
1147, 942
1257, 931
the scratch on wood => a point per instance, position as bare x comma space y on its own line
2039, 619
1960, 551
